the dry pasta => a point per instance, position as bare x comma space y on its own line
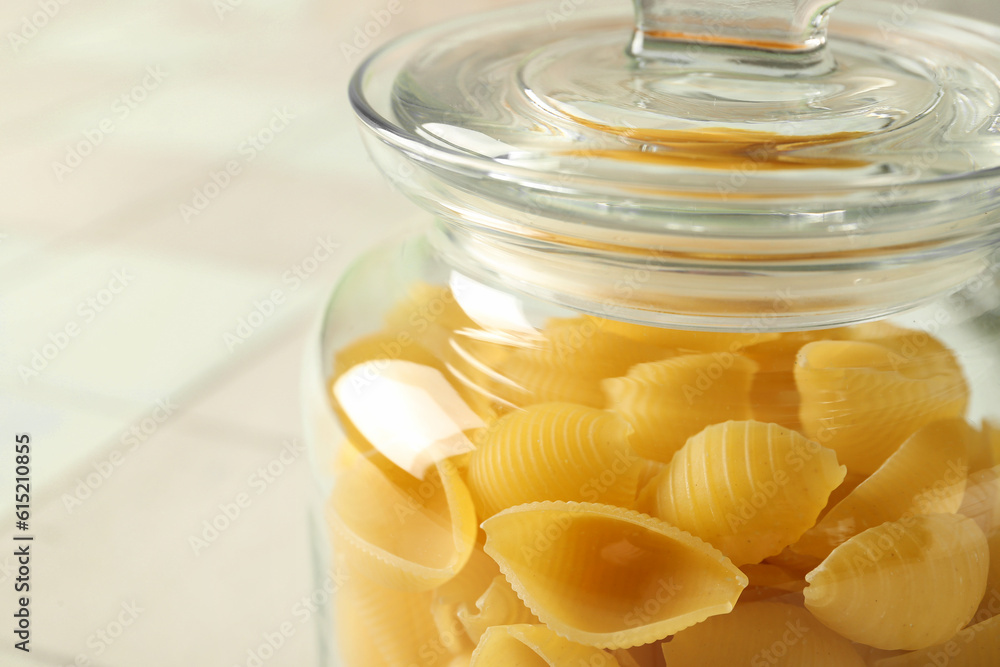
554, 451
926, 475
587, 571
668, 401
875, 587
748, 488
411, 536
528, 645
761, 633
858, 399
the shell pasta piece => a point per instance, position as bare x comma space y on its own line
411, 536
858, 399
668, 401
398, 623
554, 451
907, 584
499, 605
568, 363
926, 475
975, 646
683, 339
761, 633
609, 577
748, 488
526, 645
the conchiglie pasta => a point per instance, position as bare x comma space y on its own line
429, 315
568, 363
907, 584
858, 399
528, 645
554, 451
760, 633
984, 451
379, 350
749, 489
668, 401
499, 605
926, 475
976, 646
411, 536
981, 501
774, 396
398, 623
607, 577
682, 339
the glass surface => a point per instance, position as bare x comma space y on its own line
584, 445
700, 347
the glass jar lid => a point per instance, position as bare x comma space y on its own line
702, 129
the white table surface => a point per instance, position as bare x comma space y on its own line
198, 77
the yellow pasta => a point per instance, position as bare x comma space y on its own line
989, 606
499, 605
429, 315
926, 475
984, 451
411, 536
380, 349
864, 399
526, 645
397, 623
554, 451
981, 501
761, 633
355, 644
607, 577
459, 593
975, 646
568, 364
748, 488
774, 395
692, 341
907, 584
668, 401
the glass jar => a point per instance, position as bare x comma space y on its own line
695, 362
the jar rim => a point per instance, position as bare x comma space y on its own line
926, 206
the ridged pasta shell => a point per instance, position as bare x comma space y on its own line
398, 623
554, 451
926, 475
380, 348
774, 395
975, 646
568, 364
647, 655
499, 605
412, 536
534, 646
748, 488
905, 584
608, 577
760, 633
682, 339
668, 401
858, 399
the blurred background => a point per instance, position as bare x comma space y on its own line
180, 185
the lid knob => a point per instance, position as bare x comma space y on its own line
784, 38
